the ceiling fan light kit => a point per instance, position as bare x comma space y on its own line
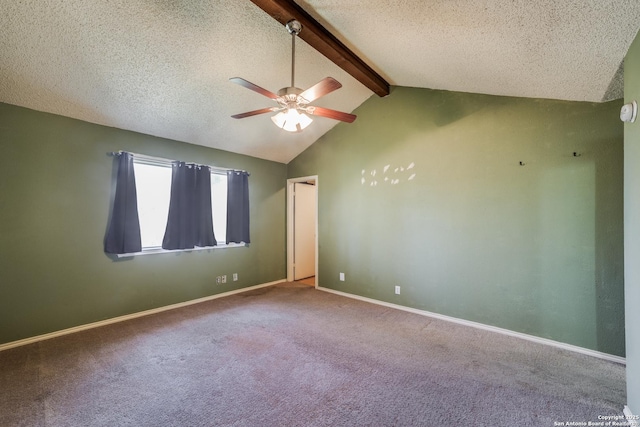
293, 103
292, 120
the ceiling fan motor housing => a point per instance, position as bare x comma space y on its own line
290, 98
292, 95
289, 91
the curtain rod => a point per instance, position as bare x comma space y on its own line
168, 162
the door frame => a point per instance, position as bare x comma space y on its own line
290, 221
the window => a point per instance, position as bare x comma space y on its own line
163, 204
219, 202
153, 188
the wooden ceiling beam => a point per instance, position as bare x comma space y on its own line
324, 42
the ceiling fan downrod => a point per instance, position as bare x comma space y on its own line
294, 27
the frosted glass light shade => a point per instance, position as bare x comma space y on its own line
291, 120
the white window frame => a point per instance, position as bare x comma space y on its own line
166, 163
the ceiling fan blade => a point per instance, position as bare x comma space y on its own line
244, 83
255, 112
322, 88
331, 114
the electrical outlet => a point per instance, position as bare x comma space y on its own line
235, 277
224, 279
397, 290
342, 277
218, 280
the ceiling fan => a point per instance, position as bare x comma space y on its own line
293, 102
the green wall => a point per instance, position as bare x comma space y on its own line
55, 187
632, 228
426, 191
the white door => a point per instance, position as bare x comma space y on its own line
304, 230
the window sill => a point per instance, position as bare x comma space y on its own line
158, 250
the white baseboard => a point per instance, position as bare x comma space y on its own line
633, 420
105, 322
598, 354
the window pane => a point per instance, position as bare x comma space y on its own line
219, 205
153, 187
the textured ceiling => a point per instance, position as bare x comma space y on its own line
570, 49
161, 67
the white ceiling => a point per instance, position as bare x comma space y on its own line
161, 67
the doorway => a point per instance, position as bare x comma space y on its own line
302, 230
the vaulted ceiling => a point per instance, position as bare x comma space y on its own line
162, 67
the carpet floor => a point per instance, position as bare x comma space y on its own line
290, 355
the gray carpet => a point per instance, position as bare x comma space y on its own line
290, 355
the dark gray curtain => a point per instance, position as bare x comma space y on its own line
238, 207
123, 232
189, 208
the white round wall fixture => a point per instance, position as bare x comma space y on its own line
629, 111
